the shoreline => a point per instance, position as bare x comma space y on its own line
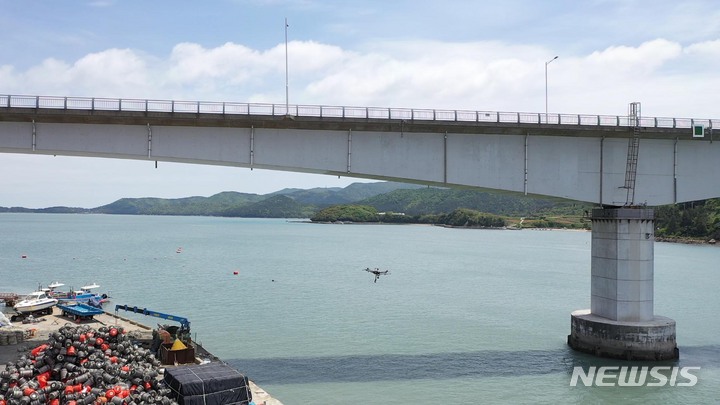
682, 240
686, 241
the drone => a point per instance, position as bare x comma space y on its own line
377, 272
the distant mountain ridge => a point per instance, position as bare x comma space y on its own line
301, 203
430, 200
214, 205
286, 203
336, 195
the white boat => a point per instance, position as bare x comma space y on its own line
84, 295
55, 284
37, 301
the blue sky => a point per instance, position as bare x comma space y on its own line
453, 54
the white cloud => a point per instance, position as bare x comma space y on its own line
116, 70
421, 74
311, 56
704, 52
110, 73
191, 63
646, 57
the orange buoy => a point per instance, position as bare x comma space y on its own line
34, 352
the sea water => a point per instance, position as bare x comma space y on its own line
464, 317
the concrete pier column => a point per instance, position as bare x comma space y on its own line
621, 322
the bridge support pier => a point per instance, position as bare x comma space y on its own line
620, 322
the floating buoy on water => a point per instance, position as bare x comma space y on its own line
24, 256
236, 272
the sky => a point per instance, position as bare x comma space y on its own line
451, 54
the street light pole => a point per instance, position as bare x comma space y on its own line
287, 85
546, 89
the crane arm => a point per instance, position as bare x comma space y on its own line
184, 322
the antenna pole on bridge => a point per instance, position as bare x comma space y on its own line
287, 86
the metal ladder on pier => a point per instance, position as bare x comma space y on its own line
632, 154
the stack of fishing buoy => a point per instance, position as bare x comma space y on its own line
11, 336
80, 365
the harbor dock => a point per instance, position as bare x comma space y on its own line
28, 335
9, 298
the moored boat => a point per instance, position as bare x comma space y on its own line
84, 296
36, 301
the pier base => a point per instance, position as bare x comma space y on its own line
602, 337
621, 323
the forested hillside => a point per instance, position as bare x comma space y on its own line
443, 200
699, 219
406, 203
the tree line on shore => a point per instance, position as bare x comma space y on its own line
693, 221
460, 217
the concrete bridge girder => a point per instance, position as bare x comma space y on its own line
570, 165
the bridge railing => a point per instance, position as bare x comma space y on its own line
321, 111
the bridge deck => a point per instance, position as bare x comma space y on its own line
86, 110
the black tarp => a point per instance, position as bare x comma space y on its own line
208, 384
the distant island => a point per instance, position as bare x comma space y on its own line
391, 202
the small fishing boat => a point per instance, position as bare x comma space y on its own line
37, 301
52, 289
84, 295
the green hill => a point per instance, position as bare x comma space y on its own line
212, 206
277, 206
324, 197
441, 200
287, 203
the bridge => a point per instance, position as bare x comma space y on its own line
622, 163
573, 156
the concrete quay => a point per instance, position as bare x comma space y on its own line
37, 333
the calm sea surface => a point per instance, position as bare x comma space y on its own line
466, 317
